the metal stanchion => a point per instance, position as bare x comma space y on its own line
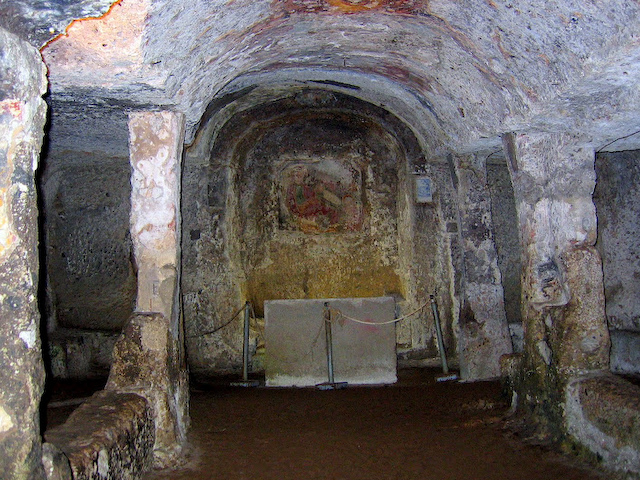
331, 384
443, 356
329, 341
245, 353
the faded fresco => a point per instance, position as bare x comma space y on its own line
321, 197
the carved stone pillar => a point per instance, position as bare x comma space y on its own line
155, 145
484, 333
149, 357
565, 330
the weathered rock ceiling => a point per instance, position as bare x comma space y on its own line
460, 73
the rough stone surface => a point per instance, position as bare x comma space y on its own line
114, 39
618, 204
150, 356
86, 131
625, 351
74, 353
484, 333
296, 342
146, 363
155, 146
90, 276
55, 462
460, 73
108, 437
39, 21
246, 237
603, 413
506, 237
563, 296
580, 337
22, 118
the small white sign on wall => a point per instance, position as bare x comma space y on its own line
424, 189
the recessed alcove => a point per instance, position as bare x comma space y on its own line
305, 197
618, 204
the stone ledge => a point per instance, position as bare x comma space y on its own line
603, 414
145, 363
109, 437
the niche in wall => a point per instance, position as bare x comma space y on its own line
90, 280
305, 197
315, 211
617, 199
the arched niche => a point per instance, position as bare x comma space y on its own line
314, 202
308, 195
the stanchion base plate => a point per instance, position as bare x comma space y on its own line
332, 386
246, 383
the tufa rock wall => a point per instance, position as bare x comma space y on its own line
617, 200
315, 203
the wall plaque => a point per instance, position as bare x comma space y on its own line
424, 190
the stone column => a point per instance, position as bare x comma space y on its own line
155, 148
22, 118
565, 330
484, 333
149, 357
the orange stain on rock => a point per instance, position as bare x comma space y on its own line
98, 43
78, 20
355, 6
12, 107
347, 6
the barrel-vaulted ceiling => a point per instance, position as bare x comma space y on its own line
459, 72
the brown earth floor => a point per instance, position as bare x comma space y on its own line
417, 429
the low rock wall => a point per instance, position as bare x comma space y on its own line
603, 414
145, 363
109, 437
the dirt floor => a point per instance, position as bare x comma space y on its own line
417, 429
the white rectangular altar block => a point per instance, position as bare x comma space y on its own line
295, 342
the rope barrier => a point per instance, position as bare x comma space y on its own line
340, 316
241, 309
336, 315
